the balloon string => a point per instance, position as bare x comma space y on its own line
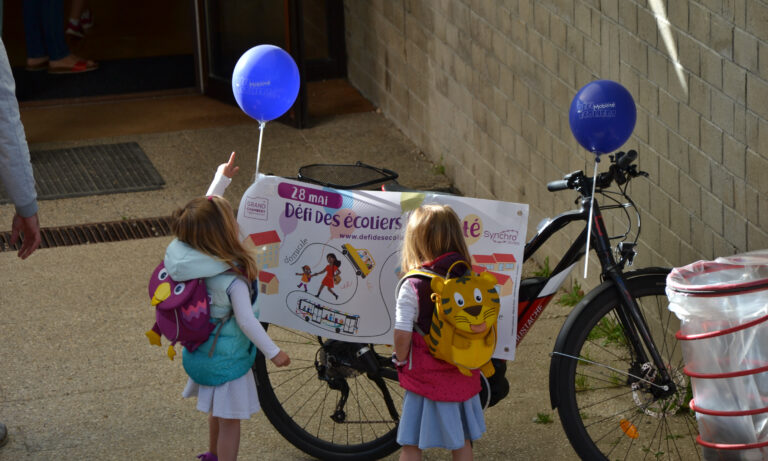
589, 225
258, 154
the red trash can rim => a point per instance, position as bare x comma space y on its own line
752, 270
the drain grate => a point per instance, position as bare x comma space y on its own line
115, 231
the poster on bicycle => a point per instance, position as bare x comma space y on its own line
329, 259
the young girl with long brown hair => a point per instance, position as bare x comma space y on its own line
207, 246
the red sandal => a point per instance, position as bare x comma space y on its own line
80, 66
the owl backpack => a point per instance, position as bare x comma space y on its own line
463, 327
182, 311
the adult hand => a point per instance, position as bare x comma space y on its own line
29, 230
281, 359
229, 168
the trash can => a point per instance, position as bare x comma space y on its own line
723, 310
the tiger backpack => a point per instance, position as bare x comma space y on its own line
463, 328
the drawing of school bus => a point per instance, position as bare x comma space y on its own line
360, 258
327, 317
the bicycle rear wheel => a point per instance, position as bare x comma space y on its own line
609, 403
336, 400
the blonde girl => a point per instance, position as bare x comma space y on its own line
441, 407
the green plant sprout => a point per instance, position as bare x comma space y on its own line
545, 271
439, 168
572, 297
609, 331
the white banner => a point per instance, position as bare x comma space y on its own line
329, 259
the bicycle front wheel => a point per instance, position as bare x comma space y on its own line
610, 403
336, 400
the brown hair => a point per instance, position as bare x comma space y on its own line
208, 225
432, 230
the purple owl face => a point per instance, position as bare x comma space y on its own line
189, 299
166, 293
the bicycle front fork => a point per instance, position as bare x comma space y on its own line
639, 336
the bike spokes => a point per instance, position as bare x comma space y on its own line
615, 406
327, 402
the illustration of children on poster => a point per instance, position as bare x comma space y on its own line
329, 259
306, 276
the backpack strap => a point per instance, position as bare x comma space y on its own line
450, 269
223, 320
415, 273
428, 274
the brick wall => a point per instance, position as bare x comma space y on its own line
484, 88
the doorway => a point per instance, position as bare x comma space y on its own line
146, 45
312, 31
156, 55
141, 46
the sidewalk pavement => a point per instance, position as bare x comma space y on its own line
78, 379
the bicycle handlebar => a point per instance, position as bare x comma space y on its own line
560, 184
624, 160
621, 170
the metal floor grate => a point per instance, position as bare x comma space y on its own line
92, 170
115, 231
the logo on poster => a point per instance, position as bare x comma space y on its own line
473, 228
508, 236
256, 208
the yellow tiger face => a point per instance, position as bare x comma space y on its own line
470, 303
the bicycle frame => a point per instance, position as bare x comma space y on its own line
537, 292
642, 377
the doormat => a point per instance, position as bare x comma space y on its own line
91, 170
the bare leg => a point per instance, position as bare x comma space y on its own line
464, 453
213, 433
229, 439
76, 9
37, 61
410, 453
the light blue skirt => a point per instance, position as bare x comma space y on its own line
429, 424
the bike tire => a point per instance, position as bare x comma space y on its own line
605, 413
299, 404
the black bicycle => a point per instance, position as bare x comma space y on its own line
615, 374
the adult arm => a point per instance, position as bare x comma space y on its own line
15, 165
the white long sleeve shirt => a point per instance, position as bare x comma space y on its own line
238, 291
406, 307
241, 306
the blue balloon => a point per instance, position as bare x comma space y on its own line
265, 82
602, 116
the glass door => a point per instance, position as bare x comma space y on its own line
225, 30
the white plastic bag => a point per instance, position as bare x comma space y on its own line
723, 310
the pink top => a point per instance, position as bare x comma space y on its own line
425, 375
